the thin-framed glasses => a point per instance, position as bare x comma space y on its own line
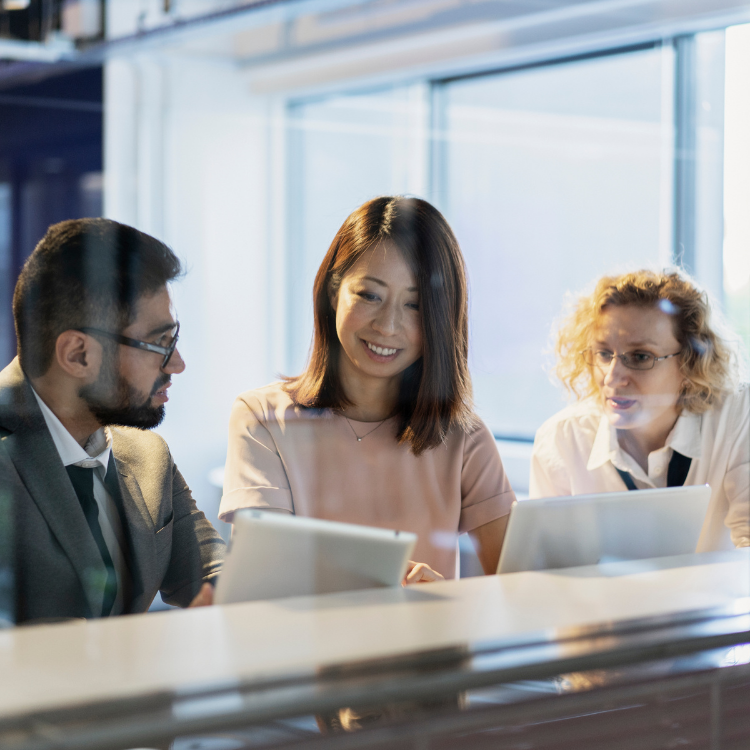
632, 360
167, 351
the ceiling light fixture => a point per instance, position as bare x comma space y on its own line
15, 4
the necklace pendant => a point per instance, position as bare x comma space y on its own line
359, 440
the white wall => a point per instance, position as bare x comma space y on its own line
186, 159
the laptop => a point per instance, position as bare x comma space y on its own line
565, 532
275, 555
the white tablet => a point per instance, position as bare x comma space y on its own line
564, 532
274, 555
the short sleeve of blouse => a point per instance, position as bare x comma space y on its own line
486, 493
254, 476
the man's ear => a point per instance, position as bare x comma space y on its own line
78, 355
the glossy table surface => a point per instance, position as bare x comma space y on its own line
46, 667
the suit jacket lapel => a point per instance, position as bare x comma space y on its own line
33, 453
114, 488
137, 522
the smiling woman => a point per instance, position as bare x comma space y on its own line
379, 428
658, 386
378, 326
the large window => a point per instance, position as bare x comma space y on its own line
737, 181
551, 177
343, 151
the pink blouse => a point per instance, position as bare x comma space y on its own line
309, 462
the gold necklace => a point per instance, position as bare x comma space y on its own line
359, 439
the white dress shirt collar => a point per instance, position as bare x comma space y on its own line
685, 438
95, 453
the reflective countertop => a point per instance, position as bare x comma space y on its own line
47, 667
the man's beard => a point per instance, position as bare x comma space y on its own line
113, 401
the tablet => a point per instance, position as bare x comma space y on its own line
275, 555
565, 532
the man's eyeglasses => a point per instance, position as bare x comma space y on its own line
632, 360
167, 351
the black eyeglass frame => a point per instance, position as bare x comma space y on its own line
167, 351
625, 358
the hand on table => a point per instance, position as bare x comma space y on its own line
420, 573
205, 597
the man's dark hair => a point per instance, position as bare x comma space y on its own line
84, 272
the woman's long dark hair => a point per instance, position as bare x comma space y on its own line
435, 393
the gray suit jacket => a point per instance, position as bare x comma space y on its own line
50, 565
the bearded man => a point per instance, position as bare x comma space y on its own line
95, 518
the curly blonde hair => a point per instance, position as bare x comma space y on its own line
709, 361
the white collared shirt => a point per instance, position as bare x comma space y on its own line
576, 452
94, 455
685, 438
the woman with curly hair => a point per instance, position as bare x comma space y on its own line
659, 401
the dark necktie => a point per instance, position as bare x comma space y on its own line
677, 472
83, 483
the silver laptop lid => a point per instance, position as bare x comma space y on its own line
275, 555
565, 532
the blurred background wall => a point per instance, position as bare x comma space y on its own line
561, 138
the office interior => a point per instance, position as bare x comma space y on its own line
562, 139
